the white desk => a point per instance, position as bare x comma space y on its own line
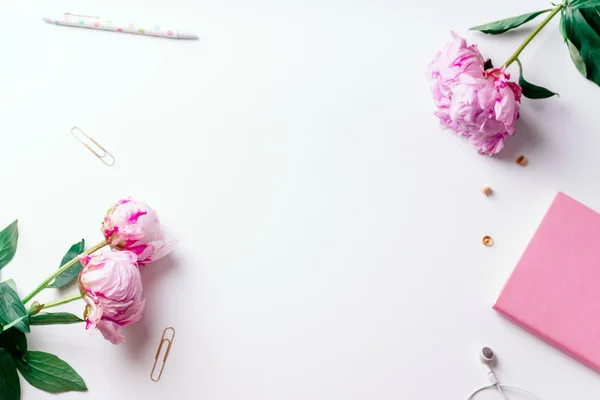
329, 231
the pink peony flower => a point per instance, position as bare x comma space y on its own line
132, 225
112, 289
476, 102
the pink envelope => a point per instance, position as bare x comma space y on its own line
554, 292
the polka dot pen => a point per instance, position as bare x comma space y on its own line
84, 21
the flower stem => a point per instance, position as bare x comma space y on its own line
61, 301
533, 34
62, 269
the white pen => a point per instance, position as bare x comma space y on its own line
86, 21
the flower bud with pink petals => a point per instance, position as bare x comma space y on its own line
111, 286
134, 226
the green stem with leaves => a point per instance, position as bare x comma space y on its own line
533, 34
62, 269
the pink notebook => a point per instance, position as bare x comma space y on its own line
554, 291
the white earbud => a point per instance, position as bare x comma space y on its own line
488, 358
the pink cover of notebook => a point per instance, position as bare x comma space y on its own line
554, 291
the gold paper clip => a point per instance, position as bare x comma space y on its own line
93, 146
163, 339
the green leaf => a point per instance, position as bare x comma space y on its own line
70, 274
10, 387
562, 26
582, 35
47, 372
575, 4
503, 25
11, 283
576, 57
530, 90
54, 318
10, 325
14, 342
8, 243
12, 308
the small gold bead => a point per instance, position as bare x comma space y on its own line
521, 160
487, 191
487, 241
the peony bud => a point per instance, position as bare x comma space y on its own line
132, 225
111, 286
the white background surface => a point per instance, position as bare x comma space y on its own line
329, 231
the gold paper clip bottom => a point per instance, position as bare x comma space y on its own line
93, 146
163, 339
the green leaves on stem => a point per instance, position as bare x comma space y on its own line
43, 370
580, 27
504, 25
530, 90
71, 273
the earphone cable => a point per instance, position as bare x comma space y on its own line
500, 387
